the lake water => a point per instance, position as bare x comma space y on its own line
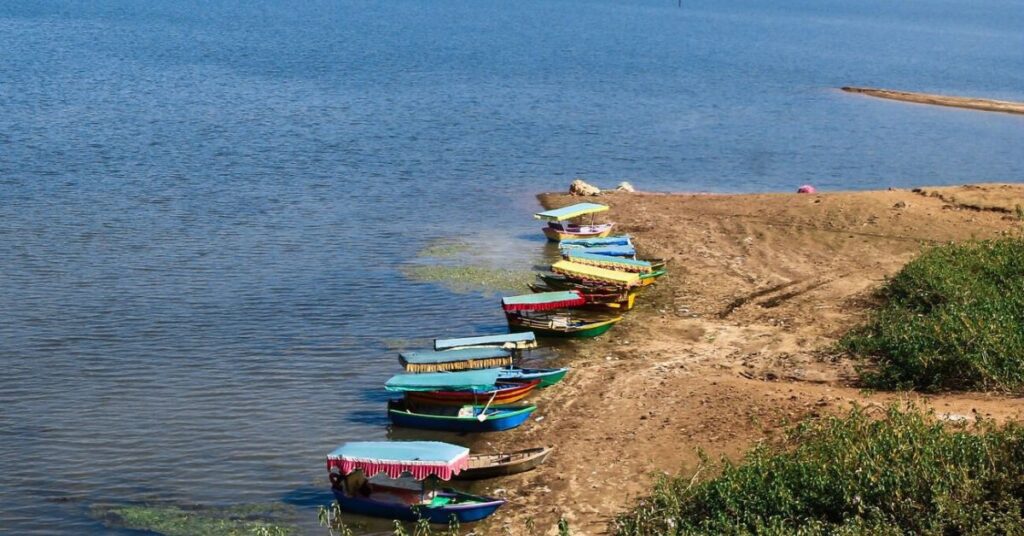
207, 208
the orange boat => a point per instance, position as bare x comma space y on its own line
502, 394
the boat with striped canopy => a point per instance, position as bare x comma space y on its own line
596, 274
544, 313
507, 341
469, 418
561, 226
462, 358
460, 388
396, 480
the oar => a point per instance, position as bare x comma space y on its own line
483, 414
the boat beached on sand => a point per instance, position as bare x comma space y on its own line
396, 480
564, 222
460, 388
545, 313
479, 357
469, 418
503, 463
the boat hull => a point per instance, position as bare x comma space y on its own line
546, 377
557, 233
498, 420
463, 512
506, 394
528, 460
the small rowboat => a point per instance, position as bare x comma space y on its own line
389, 479
458, 359
603, 297
594, 274
502, 395
560, 226
502, 464
546, 376
617, 240
610, 251
455, 419
606, 261
505, 341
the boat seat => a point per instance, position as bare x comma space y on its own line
466, 411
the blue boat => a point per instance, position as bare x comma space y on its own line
617, 240
458, 419
611, 251
388, 479
507, 341
547, 376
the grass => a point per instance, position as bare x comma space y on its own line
243, 520
904, 473
471, 278
951, 319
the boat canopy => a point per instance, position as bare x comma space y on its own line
480, 357
605, 261
421, 459
618, 240
612, 251
570, 212
466, 380
508, 341
595, 273
543, 301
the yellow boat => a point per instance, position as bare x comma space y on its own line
583, 272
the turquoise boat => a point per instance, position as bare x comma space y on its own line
470, 419
505, 341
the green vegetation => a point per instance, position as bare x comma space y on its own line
905, 473
951, 319
444, 249
471, 278
330, 518
243, 520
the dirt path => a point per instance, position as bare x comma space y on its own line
987, 105
734, 344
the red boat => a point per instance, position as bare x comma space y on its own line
502, 394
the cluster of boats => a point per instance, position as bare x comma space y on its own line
473, 384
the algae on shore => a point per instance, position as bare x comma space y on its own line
177, 521
471, 278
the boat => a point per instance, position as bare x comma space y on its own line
617, 240
595, 274
545, 313
475, 418
505, 341
546, 376
503, 463
561, 326
460, 388
597, 296
611, 251
395, 480
607, 261
561, 225
456, 359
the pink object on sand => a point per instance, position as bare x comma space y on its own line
806, 189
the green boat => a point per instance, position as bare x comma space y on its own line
546, 313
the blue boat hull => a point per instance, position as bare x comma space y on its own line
464, 513
506, 420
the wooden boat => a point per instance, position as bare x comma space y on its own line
502, 464
555, 325
505, 341
546, 376
389, 479
610, 251
561, 282
503, 394
606, 261
456, 419
561, 225
617, 240
600, 297
594, 274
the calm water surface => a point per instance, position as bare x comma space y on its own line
205, 207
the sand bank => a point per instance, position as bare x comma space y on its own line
987, 105
735, 343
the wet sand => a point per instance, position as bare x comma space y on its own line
735, 343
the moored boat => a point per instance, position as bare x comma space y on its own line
607, 261
546, 376
595, 274
505, 341
603, 297
617, 240
456, 359
458, 419
561, 225
503, 463
460, 388
545, 313
387, 479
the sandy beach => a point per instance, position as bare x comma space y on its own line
737, 342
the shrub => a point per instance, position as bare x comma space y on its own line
852, 475
951, 319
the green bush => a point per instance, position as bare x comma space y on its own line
951, 319
852, 475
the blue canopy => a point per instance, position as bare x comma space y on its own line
585, 255
525, 339
618, 240
468, 380
571, 211
613, 251
460, 359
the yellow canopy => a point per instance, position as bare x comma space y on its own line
595, 273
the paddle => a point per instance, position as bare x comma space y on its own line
483, 414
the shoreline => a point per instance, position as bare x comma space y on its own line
735, 344
970, 103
